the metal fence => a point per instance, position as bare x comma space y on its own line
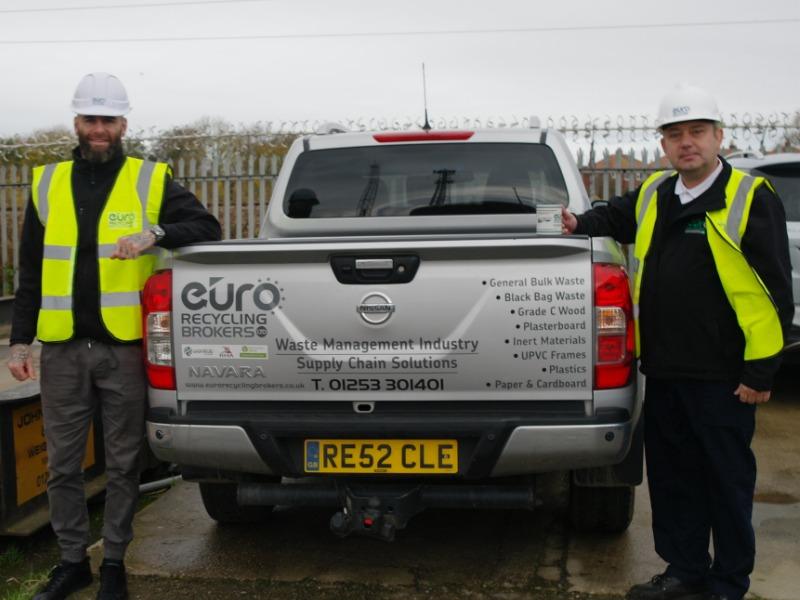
613, 173
763, 132
235, 191
236, 187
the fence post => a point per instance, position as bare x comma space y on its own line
215, 187
251, 197
262, 190
226, 198
238, 173
193, 177
4, 230
630, 173
203, 173
22, 177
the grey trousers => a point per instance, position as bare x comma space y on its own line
79, 378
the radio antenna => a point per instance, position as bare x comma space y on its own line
427, 125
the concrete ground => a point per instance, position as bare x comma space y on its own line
468, 553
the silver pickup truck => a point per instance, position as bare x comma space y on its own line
403, 335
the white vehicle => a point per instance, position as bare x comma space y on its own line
783, 171
400, 337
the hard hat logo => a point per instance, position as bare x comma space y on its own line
687, 103
100, 94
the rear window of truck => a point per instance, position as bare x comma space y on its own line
424, 179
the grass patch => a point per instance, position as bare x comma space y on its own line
24, 589
11, 556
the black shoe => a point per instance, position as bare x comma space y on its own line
113, 582
664, 587
66, 578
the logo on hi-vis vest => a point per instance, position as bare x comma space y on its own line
121, 220
697, 226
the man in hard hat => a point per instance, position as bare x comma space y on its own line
87, 248
712, 301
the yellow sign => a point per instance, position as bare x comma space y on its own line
30, 450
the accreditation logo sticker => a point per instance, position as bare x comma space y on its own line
253, 352
227, 351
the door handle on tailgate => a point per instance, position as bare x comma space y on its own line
374, 263
366, 270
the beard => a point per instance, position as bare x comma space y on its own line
99, 156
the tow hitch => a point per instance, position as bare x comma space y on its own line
374, 516
380, 510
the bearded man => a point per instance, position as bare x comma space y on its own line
86, 250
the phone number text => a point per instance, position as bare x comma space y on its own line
374, 384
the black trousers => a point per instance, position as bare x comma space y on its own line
702, 473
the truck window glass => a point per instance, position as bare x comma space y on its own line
424, 179
786, 179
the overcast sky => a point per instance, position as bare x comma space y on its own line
297, 60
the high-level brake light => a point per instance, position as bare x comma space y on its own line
157, 330
614, 332
423, 136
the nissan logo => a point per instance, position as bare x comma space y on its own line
375, 308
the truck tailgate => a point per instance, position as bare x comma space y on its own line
481, 319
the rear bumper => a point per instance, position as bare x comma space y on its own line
537, 449
490, 445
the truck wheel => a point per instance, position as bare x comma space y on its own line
601, 509
219, 500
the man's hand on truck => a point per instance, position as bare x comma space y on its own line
568, 221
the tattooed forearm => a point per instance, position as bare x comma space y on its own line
20, 352
145, 238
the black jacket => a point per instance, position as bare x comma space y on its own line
688, 329
182, 217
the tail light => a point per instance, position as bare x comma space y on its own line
157, 330
614, 332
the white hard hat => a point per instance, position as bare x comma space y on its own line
100, 94
687, 103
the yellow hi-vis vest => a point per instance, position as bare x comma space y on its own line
751, 301
133, 206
